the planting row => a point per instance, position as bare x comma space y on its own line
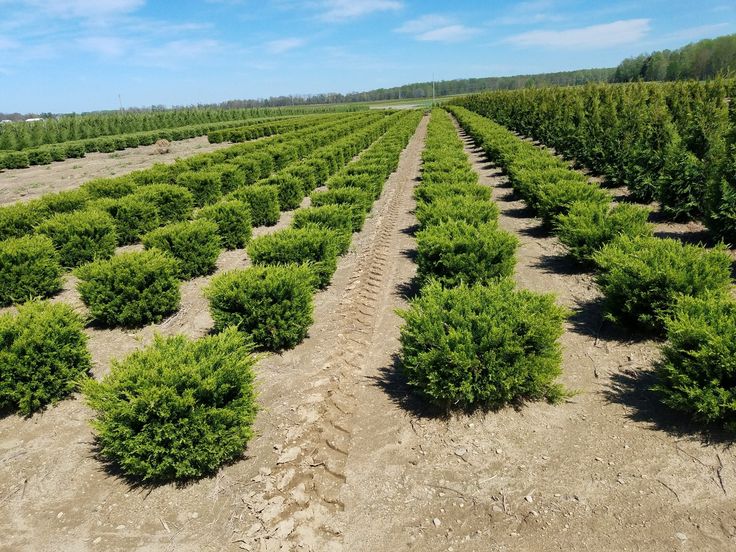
471, 338
70, 128
120, 290
659, 286
673, 142
44, 155
206, 176
179, 408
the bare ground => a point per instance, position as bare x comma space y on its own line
347, 459
33, 182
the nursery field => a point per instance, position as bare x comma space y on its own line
373, 330
33, 182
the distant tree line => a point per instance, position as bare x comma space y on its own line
422, 90
700, 61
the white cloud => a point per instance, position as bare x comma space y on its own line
423, 24
627, 31
342, 10
87, 9
284, 45
174, 52
109, 46
525, 13
437, 28
449, 33
697, 33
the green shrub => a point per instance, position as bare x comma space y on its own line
454, 252
159, 173
43, 355
588, 226
457, 208
58, 152
429, 193
173, 203
306, 245
641, 277
681, 184
231, 177
528, 183
556, 199
233, 222
482, 345
40, 157
263, 202
249, 169
131, 141
133, 216
195, 244
15, 160
178, 409
19, 219
264, 161
131, 289
698, 372
358, 201
290, 189
63, 202
81, 236
74, 150
205, 185
332, 217
273, 304
105, 145
29, 267
321, 170
365, 182
109, 187
305, 174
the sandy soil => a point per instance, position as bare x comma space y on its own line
33, 182
347, 459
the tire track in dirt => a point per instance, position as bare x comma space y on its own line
311, 472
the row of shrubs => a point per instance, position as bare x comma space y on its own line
205, 175
87, 224
44, 155
272, 301
470, 338
243, 133
659, 286
179, 409
129, 288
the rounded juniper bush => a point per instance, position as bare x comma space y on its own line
195, 244
482, 345
131, 289
178, 409
81, 236
273, 305
43, 355
29, 267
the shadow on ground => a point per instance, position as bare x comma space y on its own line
633, 389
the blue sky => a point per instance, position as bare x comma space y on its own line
78, 55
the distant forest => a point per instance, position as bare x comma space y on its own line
700, 61
421, 90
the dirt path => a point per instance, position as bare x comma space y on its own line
33, 182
